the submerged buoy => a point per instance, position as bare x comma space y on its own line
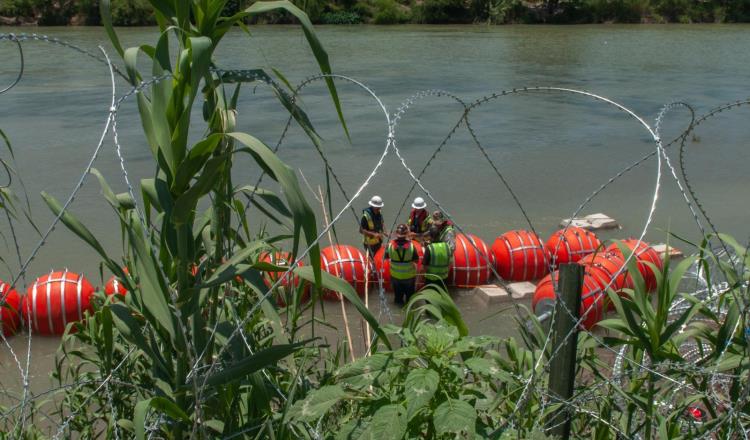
570, 245
347, 263
645, 254
519, 256
289, 281
383, 267
10, 309
594, 300
471, 264
55, 300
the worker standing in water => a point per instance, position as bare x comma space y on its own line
403, 255
371, 226
446, 233
418, 219
436, 259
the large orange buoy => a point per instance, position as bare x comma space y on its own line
644, 253
347, 263
594, 300
114, 285
383, 267
10, 309
471, 265
289, 281
519, 256
570, 245
603, 267
56, 299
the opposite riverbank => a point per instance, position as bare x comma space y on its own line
140, 12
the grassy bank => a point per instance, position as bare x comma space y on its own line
139, 12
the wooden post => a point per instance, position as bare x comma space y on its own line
563, 363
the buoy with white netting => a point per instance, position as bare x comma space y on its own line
55, 300
519, 256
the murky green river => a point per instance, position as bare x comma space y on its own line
554, 149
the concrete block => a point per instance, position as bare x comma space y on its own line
661, 249
522, 290
492, 294
592, 222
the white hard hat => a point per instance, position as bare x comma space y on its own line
376, 202
419, 203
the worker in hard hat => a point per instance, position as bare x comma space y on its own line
418, 219
404, 257
436, 259
445, 231
371, 225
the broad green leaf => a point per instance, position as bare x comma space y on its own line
185, 205
317, 403
388, 423
106, 16
455, 417
255, 362
196, 158
364, 371
419, 387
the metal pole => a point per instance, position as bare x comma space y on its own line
563, 364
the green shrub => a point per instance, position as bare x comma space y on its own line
389, 12
132, 13
340, 17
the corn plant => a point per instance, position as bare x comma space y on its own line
196, 348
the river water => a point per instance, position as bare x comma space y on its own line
554, 149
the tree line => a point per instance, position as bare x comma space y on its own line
140, 13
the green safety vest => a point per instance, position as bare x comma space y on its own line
440, 260
402, 266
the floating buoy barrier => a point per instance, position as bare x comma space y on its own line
383, 267
645, 254
10, 308
570, 245
519, 256
55, 300
347, 263
289, 281
471, 265
594, 300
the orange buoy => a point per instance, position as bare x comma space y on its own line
594, 300
383, 267
644, 253
55, 300
289, 281
347, 263
471, 264
114, 285
10, 307
570, 245
519, 256
603, 267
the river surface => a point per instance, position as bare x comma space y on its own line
553, 149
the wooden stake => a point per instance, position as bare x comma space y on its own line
563, 364
341, 297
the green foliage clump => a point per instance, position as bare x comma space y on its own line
340, 17
132, 13
45, 12
390, 12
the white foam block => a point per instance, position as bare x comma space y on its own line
492, 294
521, 290
661, 249
592, 222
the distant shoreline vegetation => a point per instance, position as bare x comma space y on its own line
139, 13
